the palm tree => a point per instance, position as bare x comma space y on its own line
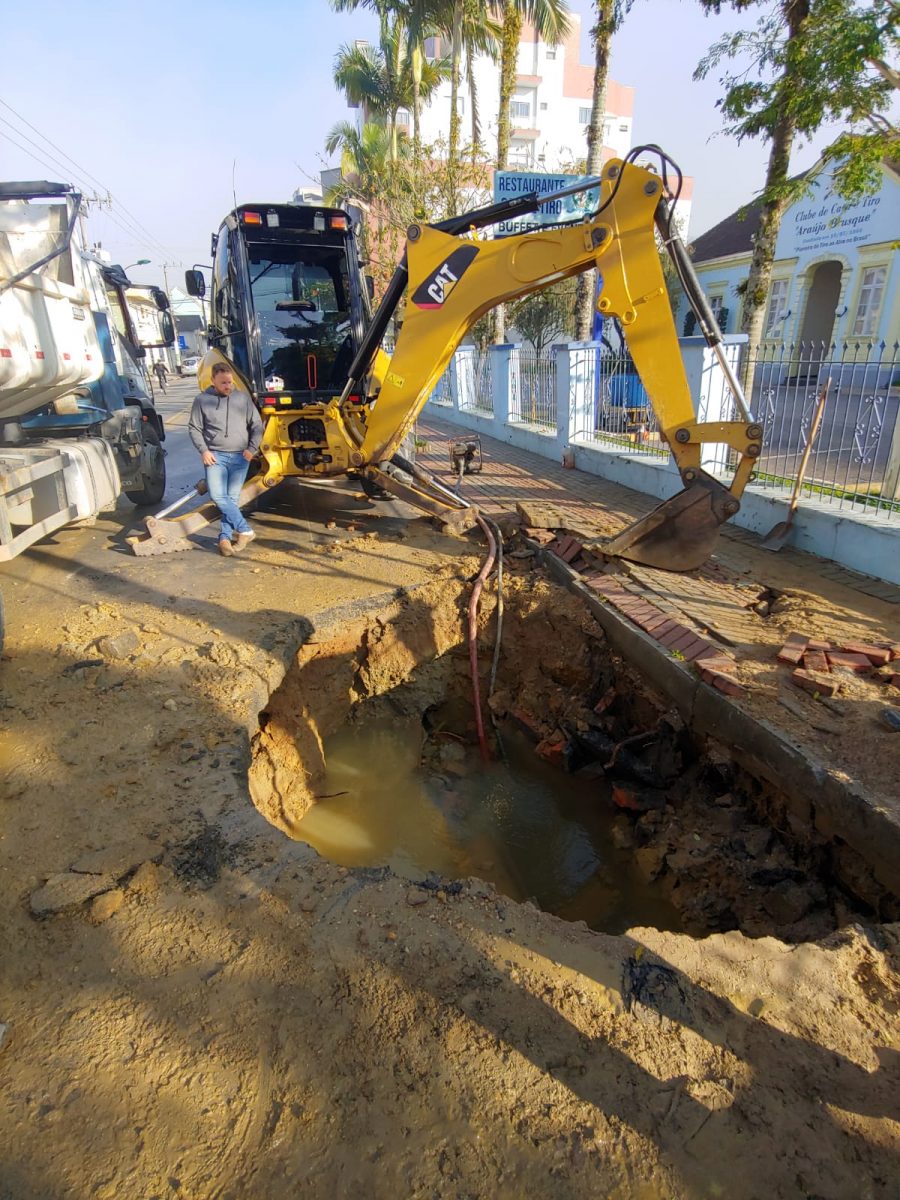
551, 19
381, 79
610, 14
472, 30
366, 159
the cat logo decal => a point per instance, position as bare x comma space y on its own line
440, 283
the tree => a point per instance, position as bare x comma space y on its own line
551, 19
365, 163
807, 63
394, 193
610, 14
545, 316
395, 74
472, 30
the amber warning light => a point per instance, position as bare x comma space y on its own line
338, 222
251, 218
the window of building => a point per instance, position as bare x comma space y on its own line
520, 109
869, 305
521, 154
402, 116
778, 297
550, 52
584, 116
543, 106
719, 311
623, 128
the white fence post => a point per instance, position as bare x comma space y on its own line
501, 359
712, 396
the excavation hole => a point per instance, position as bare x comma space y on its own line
415, 795
598, 805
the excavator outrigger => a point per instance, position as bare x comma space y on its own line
451, 277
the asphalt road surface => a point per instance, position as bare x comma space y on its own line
97, 560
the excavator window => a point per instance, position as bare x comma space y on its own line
301, 298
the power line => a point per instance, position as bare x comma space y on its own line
30, 153
160, 248
132, 234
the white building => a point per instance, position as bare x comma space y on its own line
550, 109
836, 274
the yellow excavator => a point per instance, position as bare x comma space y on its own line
289, 313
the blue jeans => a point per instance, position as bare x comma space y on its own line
225, 480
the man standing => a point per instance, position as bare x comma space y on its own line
162, 374
225, 427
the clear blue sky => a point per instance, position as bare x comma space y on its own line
161, 102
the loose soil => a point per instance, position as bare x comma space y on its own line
231, 1015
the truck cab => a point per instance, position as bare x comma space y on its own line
77, 421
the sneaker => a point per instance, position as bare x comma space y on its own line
243, 539
225, 547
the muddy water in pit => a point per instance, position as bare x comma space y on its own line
421, 803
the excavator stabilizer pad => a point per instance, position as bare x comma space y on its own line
681, 533
458, 523
150, 546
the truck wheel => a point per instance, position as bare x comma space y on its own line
153, 470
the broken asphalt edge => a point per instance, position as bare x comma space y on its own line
831, 807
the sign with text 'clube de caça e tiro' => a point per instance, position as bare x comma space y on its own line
510, 184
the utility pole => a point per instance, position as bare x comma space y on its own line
165, 267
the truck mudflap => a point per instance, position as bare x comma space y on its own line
45, 487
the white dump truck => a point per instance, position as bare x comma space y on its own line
78, 426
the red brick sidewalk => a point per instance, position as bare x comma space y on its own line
601, 508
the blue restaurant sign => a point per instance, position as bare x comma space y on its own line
509, 184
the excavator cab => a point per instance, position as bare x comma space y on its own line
288, 303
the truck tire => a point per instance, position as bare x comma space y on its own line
153, 473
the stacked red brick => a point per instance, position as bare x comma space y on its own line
815, 661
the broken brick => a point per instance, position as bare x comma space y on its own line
817, 645
722, 682
793, 648
527, 722
605, 701
637, 799
895, 680
542, 536
852, 662
818, 685
552, 749
815, 660
875, 654
568, 548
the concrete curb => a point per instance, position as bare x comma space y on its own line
814, 795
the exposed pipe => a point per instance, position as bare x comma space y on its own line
473, 634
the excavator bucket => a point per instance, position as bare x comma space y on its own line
679, 534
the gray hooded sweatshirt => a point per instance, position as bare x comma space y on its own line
227, 423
